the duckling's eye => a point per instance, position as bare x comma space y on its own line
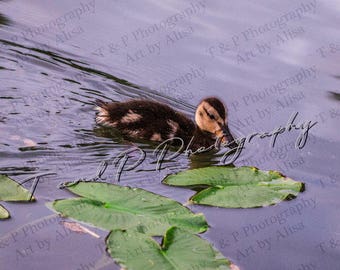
212, 117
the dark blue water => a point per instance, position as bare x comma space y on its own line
265, 60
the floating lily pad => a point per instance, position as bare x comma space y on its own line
115, 207
3, 213
241, 187
11, 191
179, 250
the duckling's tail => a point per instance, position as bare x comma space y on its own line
102, 116
100, 103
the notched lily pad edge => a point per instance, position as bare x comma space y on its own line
120, 263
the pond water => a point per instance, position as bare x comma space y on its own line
265, 60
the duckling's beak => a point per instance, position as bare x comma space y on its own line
227, 139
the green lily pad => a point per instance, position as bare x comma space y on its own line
115, 207
3, 213
11, 191
241, 187
179, 250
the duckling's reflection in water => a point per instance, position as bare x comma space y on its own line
202, 154
133, 157
205, 160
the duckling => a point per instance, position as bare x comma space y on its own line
154, 121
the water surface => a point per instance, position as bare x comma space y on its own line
265, 60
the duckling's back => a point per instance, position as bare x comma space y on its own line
142, 119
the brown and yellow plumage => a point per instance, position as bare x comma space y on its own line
154, 121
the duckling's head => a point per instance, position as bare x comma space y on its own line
211, 116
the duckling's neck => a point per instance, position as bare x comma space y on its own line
202, 139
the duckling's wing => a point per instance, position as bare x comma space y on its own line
144, 119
